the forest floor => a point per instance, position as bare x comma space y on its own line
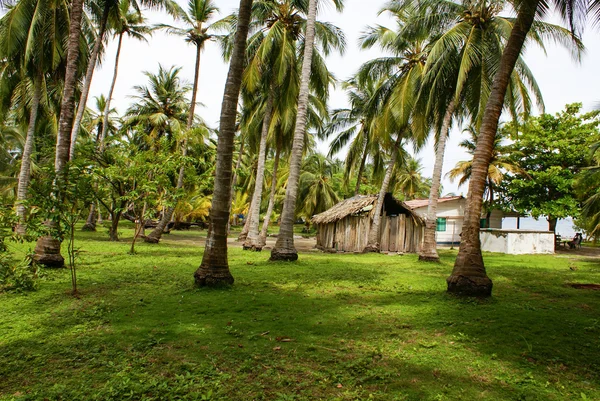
328, 327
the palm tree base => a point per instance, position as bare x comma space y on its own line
47, 253
470, 286
252, 247
213, 277
89, 227
429, 257
371, 248
283, 255
151, 239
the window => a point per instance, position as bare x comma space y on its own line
441, 224
482, 223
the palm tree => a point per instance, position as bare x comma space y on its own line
111, 10
214, 269
197, 33
28, 53
47, 250
401, 74
469, 38
409, 182
359, 122
468, 276
272, 72
316, 187
284, 248
132, 23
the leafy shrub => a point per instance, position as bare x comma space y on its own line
17, 276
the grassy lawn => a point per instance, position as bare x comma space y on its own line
330, 327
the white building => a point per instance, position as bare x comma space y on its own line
450, 215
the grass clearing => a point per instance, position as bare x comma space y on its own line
332, 327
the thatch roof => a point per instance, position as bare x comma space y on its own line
361, 205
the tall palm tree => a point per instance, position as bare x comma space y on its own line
47, 250
272, 72
469, 276
214, 269
402, 74
284, 248
468, 42
32, 45
132, 23
409, 180
111, 10
356, 125
198, 33
316, 187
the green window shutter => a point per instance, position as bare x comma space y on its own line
482, 223
441, 224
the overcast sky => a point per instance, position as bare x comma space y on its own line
561, 80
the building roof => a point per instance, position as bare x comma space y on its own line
419, 203
364, 204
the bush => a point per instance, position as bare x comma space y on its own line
17, 276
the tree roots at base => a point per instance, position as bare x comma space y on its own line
470, 286
210, 277
281, 255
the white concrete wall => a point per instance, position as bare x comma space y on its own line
517, 242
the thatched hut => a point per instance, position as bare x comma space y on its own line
345, 227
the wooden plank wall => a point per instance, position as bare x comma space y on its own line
398, 234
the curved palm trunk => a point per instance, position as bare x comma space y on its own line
253, 241
87, 83
360, 170
25, 172
90, 222
374, 234
265, 227
284, 247
110, 93
429, 249
47, 249
214, 269
156, 234
468, 276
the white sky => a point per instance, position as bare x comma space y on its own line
561, 80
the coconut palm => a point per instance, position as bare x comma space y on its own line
316, 187
198, 33
469, 38
355, 126
284, 248
409, 181
272, 71
111, 14
214, 269
468, 276
401, 73
132, 23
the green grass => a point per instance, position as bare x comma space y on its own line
331, 327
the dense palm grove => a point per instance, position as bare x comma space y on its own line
443, 64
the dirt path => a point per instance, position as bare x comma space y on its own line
180, 237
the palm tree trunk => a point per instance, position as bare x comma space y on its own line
110, 93
156, 234
25, 172
47, 250
373, 241
265, 227
87, 83
234, 179
429, 249
246, 228
360, 171
284, 248
214, 269
90, 222
469, 276
252, 241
